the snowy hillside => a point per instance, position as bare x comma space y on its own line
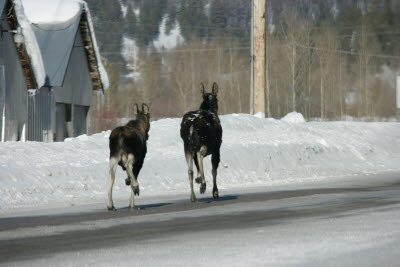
255, 151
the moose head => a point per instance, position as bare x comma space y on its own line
143, 115
210, 100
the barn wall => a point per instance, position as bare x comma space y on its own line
15, 88
74, 99
77, 87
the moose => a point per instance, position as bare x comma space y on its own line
128, 149
201, 132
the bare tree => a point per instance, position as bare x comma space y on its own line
326, 51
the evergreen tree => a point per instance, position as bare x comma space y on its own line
149, 21
131, 22
108, 27
192, 19
218, 14
390, 40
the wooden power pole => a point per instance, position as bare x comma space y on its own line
259, 55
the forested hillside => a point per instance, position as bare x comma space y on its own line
326, 59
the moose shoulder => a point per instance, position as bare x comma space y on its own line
201, 132
128, 149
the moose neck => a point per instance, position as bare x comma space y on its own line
139, 124
206, 105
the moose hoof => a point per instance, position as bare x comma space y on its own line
202, 188
132, 207
128, 181
193, 198
136, 191
112, 208
215, 195
198, 180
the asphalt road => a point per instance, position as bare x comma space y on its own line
33, 245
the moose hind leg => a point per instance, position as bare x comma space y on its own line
196, 162
134, 183
201, 169
113, 169
215, 162
189, 160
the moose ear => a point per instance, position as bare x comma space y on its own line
145, 108
202, 89
215, 88
135, 109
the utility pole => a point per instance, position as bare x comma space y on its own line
252, 61
259, 55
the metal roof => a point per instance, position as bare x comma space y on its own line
2, 4
56, 42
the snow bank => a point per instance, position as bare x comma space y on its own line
255, 151
294, 117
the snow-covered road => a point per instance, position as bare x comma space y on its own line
354, 221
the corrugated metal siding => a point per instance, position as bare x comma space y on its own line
2, 101
15, 89
2, 87
39, 115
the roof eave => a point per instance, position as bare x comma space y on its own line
86, 34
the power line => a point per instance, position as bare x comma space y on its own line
185, 50
150, 24
345, 52
183, 9
370, 34
157, 35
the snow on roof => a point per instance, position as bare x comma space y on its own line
31, 44
52, 12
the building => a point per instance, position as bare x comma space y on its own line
49, 70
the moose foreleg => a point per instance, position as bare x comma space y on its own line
215, 162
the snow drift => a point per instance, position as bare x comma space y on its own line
255, 151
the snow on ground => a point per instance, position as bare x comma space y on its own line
255, 152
